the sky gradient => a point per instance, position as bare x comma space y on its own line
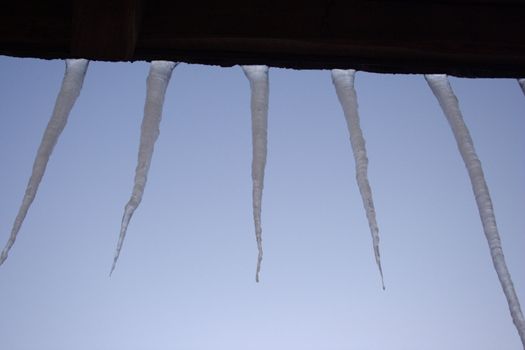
186, 275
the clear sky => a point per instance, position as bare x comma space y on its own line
186, 275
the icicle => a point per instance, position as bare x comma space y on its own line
522, 84
157, 83
258, 77
449, 104
344, 85
69, 91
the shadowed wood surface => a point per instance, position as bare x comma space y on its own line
473, 38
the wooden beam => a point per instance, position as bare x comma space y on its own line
105, 29
472, 38
478, 38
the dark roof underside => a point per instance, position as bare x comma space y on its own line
473, 38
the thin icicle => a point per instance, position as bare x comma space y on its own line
157, 83
449, 104
258, 77
522, 84
344, 86
69, 91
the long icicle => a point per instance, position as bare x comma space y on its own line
69, 91
258, 77
344, 86
157, 83
449, 104
522, 84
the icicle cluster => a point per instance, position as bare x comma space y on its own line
258, 77
344, 86
157, 83
343, 80
449, 103
69, 91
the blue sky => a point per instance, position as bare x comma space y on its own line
185, 278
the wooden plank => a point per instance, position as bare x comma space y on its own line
475, 38
105, 30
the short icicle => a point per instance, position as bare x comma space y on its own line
157, 83
258, 77
522, 84
449, 104
69, 91
344, 86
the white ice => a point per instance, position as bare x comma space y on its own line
258, 77
449, 104
522, 84
157, 83
69, 91
344, 86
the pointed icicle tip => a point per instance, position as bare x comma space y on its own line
440, 86
69, 91
343, 81
157, 84
258, 78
